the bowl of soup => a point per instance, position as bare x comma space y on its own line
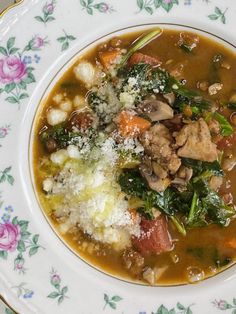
134, 156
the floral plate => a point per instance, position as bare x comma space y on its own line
39, 274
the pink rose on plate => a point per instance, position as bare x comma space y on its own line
12, 70
9, 236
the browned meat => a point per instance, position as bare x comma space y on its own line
195, 142
175, 124
154, 237
157, 143
155, 182
158, 170
133, 261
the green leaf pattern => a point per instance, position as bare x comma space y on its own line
218, 15
65, 41
111, 302
90, 6
5, 176
150, 6
59, 292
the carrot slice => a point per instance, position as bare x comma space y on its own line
130, 125
142, 58
108, 57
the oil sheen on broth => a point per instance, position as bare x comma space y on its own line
206, 249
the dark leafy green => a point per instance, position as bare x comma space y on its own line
226, 127
199, 203
133, 184
61, 135
231, 105
200, 167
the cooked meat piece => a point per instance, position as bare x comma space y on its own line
156, 110
138, 57
215, 183
158, 170
154, 182
175, 124
81, 120
154, 237
133, 261
157, 143
195, 142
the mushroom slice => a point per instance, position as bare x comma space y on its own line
156, 110
155, 183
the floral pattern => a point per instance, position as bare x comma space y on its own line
59, 293
15, 238
179, 309
224, 305
5, 176
65, 40
47, 13
111, 302
4, 130
15, 74
90, 6
218, 15
151, 5
23, 292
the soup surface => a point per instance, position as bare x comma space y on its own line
134, 155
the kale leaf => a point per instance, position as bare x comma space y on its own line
61, 135
200, 167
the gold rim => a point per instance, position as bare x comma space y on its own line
17, 2
7, 304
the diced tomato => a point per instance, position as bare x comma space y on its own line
141, 58
130, 125
154, 237
227, 141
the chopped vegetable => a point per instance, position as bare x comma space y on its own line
107, 58
226, 127
130, 125
140, 43
138, 58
